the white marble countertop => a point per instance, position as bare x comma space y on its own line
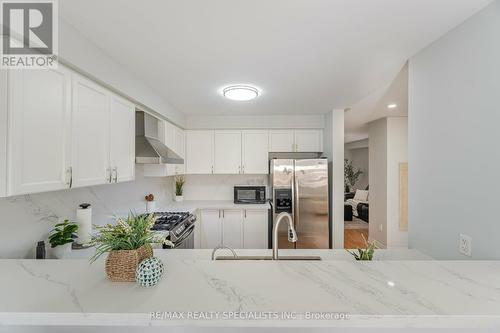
193, 205
402, 293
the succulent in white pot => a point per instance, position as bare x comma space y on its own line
61, 238
179, 188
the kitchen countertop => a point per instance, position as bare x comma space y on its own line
193, 205
385, 293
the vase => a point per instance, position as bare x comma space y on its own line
150, 206
60, 251
121, 265
179, 198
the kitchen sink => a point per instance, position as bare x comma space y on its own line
267, 258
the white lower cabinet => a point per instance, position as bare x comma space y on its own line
234, 228
255, 229
210, 229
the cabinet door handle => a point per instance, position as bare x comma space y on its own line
212, 169
109, 175
223, 214
115, 170
243, 167
70, 172
245, 213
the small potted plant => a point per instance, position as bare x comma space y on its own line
61, 238
150, 203
128, 242
179, 185
366, 253
351, 176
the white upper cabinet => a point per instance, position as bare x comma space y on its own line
232, 228
309, 140
227, 152
255, 229
281, 141
199, 152
122, 142
39, 123
255, 159
90, 134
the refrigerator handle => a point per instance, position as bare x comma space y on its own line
296, 201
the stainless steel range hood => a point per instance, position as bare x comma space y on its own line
148, 147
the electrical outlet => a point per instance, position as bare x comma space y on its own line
465, 246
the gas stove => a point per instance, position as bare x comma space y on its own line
178, 227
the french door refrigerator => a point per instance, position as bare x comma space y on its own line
300, 187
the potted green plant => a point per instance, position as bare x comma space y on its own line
351, 175
179, 185
367, 252
127, 243
61, 238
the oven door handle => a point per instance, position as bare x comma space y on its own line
186, 234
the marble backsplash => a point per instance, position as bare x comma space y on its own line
26, 219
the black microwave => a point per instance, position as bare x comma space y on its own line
249, 194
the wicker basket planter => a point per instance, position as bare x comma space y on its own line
122, 264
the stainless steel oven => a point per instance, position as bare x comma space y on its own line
186, 240
249, 194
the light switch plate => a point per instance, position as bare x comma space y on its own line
465, 246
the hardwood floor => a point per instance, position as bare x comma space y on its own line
353, 238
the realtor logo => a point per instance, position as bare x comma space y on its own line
29, 34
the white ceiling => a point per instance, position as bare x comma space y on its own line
307, 56
374, 106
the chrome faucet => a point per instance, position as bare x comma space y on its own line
222, 248
292, 235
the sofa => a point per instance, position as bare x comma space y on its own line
359, 204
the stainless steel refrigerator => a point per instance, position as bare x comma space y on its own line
300, 187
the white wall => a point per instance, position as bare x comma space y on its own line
377, 134
27, 219
454, 153
244, 122
333, 145
397, 153
218, 187
78, 52
388, 140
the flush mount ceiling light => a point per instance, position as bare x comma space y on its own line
392, 106
240, 92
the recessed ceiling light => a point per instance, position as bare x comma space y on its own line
392, 106
240, 92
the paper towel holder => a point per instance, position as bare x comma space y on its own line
76, 245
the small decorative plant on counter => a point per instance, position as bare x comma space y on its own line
61, 238
366, 253
127, 243
179, 185
150, 203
